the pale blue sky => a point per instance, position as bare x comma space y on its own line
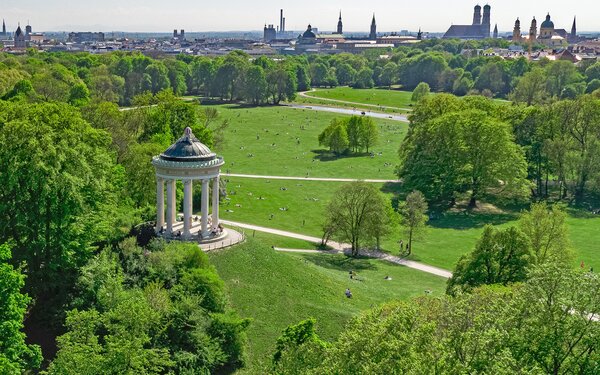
223, 15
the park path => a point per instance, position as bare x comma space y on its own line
304, 94
347, 111
339, 248
309, 178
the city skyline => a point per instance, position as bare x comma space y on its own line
237, 15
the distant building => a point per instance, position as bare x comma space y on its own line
495, 35
340, 25
373, 33
308, 39
480, 29
516, 38
85, 37
269, 33
20, 40
4, 34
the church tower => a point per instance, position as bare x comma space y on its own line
477, 15
517, 32
573, 35
495, 32
340, 26
533, 31
373, 34
3, 28
486, 20
420, 34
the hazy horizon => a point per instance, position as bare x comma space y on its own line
235, 15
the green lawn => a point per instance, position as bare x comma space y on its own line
278, 289
445, 240
305, 202
284, 141
379, 97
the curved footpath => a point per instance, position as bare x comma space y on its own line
304, 94
346, 111
341, 248
309, 178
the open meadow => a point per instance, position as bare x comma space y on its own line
278, 289
392, 100
283, 141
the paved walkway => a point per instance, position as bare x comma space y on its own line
308, 178
304, 94
338, 247
348, 111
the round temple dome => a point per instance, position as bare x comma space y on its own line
188, 148
309, 33
547, 24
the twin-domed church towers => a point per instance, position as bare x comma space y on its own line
548, 34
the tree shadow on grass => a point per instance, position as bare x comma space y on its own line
340, 262
325, 155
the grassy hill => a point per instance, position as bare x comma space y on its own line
278, 289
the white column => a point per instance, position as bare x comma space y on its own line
170, 205
215, 202
187, 208
205, 231
160, 204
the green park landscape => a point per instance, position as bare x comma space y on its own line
459, 213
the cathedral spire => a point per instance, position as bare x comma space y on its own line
373, 33
340, 26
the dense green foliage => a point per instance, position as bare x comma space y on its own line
150, 311
544, 326
16, 357
463, 146
354, 134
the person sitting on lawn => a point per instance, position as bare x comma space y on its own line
348, 293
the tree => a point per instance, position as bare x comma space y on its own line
492, 77
491, 156
355, 208
318, 73
560, 74
364, 79
157, 77
547, 232
255, 85
501, 256
16, 357
414, 217
450, 149
368, 133
338, 140
531, 88
420, 91
282, 84
79, 95
57, 183
345, 74
389, 74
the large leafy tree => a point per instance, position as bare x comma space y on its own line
15, 356
547, 231
355, 208
501, 256
457, 146
57, 183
